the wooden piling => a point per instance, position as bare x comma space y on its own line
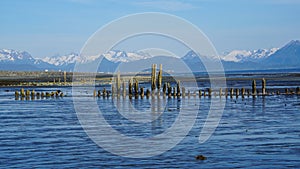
142, 92
263, 86
254, 92
237, 92
169, 90
95, 93
104, 93
298, 90
287, 91
183, 91
27, 93
16, 94
220, 92
148, 93
226, 92
65, 78
118, 83
153, 77
22, 92
124, 89
165, 89
243, 92
200, 93
136, 87
209, 92
178, 89
130, 93
159, 78
231, 92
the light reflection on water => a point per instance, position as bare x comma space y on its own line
261, 133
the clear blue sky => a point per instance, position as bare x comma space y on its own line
49, 27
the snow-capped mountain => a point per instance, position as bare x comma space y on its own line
9, 55
122, 56
286, 57
243, 55
62, 60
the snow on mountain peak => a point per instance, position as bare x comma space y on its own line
243, 55
13, 55
62, 60
121, 56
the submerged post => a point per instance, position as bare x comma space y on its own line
263, 86
254, 93
209, 92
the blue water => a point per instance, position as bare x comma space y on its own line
262, 132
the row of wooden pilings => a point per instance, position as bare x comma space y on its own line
135, 91
32, 94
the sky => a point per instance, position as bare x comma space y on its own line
56, 27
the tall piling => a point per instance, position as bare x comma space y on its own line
118, 82
153, 78
263, 86
65, 78
178, 89
254, 92
159, 77
136, 87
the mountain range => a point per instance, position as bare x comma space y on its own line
276, 58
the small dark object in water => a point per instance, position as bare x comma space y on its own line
6, 90
201, 157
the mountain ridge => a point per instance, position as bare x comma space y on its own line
287, 56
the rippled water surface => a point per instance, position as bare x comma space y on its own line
262, 132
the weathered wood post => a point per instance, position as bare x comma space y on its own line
136, 87
209, 92
248, 92
243, 92
148, 93
104, 93
237, 92
183, 91
220, 92
169, 90
130, 93
142, 92
174, 92
42, 94
16, 94
27, 93
226, 92
159, 77
298, 90
99, 93
165, 89
118, 83
200, 93
287, 91
95, 93
65, 78
22, 92
124, 88
153, 78
113, 90
32, 94
231, 92
254, 92
178, 89
263, 86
